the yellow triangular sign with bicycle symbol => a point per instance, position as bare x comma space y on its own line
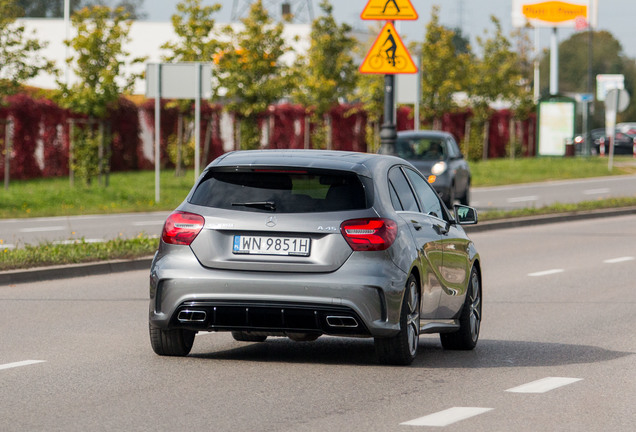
389, 10
388, 55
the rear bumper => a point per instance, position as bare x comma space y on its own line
367, 289
268, 317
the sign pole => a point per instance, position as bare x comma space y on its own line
387, 131
157, 131
197, 121
389, 56
554, 63
612, 136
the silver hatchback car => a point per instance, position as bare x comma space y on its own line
304, 243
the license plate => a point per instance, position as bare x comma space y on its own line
265, 245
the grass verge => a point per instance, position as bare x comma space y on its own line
80, 251
558, 208
126, 192
499, 172
135, 191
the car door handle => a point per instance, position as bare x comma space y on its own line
416, 225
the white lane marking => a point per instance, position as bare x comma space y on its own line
546, 272
78, 241
543, 385
447, 417
7, 246
42, 229
596, 191
144, 223
619, 260
21, 363
523, 199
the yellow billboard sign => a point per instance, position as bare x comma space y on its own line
388, 55
554, 11
550, 13
389, 10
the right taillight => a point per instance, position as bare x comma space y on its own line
182, 228
372, 234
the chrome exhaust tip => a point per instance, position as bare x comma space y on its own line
191, 316
342, 321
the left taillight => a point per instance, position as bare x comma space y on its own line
373, 234
182, 228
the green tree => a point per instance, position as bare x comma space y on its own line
498, 76
327, 73
369, 91
194, 26
461, 42
251, 70
444, 69
98, 63
20, 59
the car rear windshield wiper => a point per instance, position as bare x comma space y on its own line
265, 205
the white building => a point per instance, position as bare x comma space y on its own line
146, 39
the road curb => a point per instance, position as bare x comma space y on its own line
40, 274
88, 269
548, 219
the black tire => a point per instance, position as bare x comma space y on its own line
465, 199
401, 349
451, 197
171, 342
469, 321
248, 337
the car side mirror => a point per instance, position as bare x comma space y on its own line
465, 215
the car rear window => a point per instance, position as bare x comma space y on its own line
280, 191
432, 149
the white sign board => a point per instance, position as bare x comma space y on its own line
607, 82
178, 80
548, 13
406, 88
556, 125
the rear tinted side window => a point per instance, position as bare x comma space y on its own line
280, 191
428, 197
402, 191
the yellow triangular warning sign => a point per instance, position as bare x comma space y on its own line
389, 10
388, 55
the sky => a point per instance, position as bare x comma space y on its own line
472, 16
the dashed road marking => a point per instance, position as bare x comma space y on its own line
20, 363
619, 260
543, 385
78, 241
546, 272
596, 191
523, 199
144, 223
447, 417
42, 229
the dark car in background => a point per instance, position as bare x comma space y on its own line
623, 141
302, 243
437, 156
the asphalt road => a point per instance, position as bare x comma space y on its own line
17, 232
546, 193
557, 352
